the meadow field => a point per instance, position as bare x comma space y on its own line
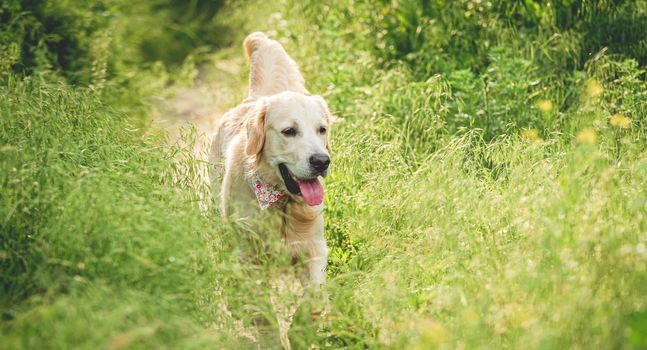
488, 186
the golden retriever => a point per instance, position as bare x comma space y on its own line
270, 155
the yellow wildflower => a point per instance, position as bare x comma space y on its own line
531, 134
545, 106
587, 135
593, 89
620, 121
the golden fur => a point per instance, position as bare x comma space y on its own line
248, 143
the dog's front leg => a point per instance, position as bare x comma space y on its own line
317, 270
317, 261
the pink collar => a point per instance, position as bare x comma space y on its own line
266, 194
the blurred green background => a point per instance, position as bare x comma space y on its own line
70, 36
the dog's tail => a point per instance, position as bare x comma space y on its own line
272, 70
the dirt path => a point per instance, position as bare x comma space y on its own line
217, 87
189, 114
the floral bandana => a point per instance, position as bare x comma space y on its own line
266, 194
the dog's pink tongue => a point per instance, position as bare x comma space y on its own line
312, 191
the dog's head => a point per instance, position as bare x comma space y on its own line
288, 139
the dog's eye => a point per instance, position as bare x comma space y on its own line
289, 132
322, 130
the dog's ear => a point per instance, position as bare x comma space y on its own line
255, 129
330, 119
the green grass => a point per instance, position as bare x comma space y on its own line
488, 189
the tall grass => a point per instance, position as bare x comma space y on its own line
488, 184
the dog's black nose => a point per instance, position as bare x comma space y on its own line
319, 161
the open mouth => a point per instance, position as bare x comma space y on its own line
310, 189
